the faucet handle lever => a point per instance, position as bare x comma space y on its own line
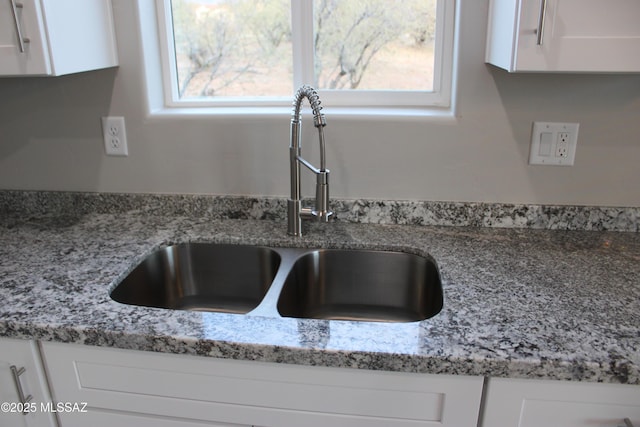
308, 165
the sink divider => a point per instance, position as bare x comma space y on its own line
268, 307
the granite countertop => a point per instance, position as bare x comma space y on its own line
518, 303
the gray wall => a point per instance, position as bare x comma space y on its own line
50, 137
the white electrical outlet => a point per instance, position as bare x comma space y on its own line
562, 145
115, 136
553, 143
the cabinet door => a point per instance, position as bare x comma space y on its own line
565, 35
231, 392
532, 403
23, 354
80, 35
35, 58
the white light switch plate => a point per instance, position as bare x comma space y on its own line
553, 143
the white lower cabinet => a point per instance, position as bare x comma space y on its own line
103, 387
24, 394
134, 388
534, 403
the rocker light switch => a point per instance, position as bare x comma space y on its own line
546, 138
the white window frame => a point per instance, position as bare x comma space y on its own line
439, 101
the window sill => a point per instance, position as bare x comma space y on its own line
281, 112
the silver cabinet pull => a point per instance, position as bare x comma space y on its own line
16, 379
628, 423
541, 19
21, 40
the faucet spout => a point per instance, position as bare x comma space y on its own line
295, 211
319, 120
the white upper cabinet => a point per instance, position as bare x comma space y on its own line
592, 36
55, 37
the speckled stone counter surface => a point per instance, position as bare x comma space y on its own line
522, 303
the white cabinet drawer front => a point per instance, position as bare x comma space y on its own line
256, 393
530, 403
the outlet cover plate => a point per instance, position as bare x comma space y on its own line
553, 143
115, 136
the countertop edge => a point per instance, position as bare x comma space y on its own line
548, 369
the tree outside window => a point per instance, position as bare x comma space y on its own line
244, 47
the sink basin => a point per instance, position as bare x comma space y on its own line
335, 284
201, 276
362, 285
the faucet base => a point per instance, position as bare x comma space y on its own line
296, 213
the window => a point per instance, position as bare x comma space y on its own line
357, 53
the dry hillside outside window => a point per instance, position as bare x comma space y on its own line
232, 47
266, 48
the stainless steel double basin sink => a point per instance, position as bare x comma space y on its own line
337, 284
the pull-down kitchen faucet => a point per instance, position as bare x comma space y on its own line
295, 212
